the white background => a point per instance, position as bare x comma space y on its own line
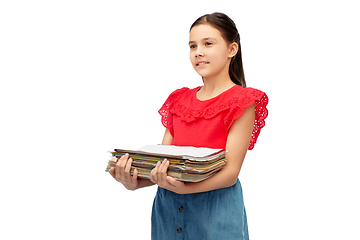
81, 77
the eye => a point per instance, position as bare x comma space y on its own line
208, 43
193, 46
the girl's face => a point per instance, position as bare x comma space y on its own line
210, 54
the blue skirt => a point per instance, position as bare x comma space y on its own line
217, 214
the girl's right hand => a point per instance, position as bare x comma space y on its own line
121, 173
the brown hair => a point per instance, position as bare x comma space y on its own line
229, 32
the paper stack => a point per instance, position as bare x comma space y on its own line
188, 164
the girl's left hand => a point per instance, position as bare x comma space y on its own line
159, 176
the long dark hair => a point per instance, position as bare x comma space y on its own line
229, 32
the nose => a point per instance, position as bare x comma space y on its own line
199, 53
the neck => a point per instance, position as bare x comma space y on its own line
216, 84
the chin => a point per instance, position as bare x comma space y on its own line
203, 74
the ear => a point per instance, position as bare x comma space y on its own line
233, 49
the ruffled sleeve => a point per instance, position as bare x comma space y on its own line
166, 115
246, 98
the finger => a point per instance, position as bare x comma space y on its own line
119, 161
153, 173
165, 166
128, 167
174, 182
120, 167
152, 177
135, 175
117, 168
162, 167
162, 171
124, 160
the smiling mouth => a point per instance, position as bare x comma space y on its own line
202, 63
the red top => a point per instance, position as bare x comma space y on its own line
206, 123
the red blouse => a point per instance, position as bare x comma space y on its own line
206, 123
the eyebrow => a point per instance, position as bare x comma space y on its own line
204, 39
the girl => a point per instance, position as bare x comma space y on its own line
222, 113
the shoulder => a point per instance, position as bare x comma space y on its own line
249, 93
180, 90
185, 91
173, 98
246, 97
243, 98
170, 103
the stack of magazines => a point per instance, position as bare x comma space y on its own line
189, 164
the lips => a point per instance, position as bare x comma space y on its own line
202, 63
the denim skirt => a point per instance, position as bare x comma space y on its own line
218, 214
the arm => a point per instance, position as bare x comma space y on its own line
121, 172
236, 146
167, 140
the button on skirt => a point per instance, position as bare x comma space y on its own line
217, 214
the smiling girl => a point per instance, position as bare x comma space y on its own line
222, 113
